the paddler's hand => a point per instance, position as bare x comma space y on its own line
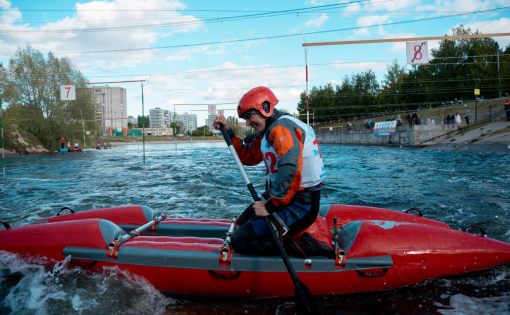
260, 209
220, 120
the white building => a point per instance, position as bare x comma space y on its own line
160, 118
212, 115
189, 122
111, 108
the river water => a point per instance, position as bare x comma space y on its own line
195, 180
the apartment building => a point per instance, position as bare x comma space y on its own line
189, 122
160, 118
111, 108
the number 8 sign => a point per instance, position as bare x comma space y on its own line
67, 93
417, 52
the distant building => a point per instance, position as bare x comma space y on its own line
111, 108
211, 116
189, 122
160, 118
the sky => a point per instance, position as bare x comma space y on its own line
212, 52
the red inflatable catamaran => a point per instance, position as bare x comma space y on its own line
377, 249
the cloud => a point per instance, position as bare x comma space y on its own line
389, 6
447, 7
11, 15
352, 8
226, 84
317, 20
320, 2
370, 20
360, 66
64, 38
493, 26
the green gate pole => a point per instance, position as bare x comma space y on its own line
143, 128
2, 137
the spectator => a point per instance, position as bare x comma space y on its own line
416, 119
458, 120
467, 113
450, 119
413, 118
507, 109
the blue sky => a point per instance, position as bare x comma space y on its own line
211, 52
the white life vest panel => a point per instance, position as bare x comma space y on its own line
312, 171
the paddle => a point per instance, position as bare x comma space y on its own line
305, 303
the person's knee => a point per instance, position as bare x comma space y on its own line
245, 241
242, 237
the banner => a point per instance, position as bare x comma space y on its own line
385, 128
417, 52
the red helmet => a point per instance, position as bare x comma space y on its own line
261, 99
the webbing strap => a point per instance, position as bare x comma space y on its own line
113, 249
226, 248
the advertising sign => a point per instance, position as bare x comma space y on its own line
385, 128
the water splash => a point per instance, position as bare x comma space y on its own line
60, 290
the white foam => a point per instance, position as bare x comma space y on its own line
60, 290
466, 305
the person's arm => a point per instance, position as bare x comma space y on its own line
287, 139
249, 153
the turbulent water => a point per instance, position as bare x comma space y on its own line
195, 180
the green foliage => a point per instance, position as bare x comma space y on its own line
177, 126
233, 122
456, 68
143, 121
202, 132
31, 90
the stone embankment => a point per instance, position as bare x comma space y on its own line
494, 136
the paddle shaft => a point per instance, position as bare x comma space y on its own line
305, 303
253, 193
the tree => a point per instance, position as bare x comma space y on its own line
202, 131
456, 68
233, 122
143, 121
33, 98
177, 126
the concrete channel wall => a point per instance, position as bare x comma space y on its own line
417, 135
406, 135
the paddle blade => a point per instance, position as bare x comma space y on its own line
305, 303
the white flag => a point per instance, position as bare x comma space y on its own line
417, 52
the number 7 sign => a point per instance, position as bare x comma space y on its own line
67, 93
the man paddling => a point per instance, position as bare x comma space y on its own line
294, 169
